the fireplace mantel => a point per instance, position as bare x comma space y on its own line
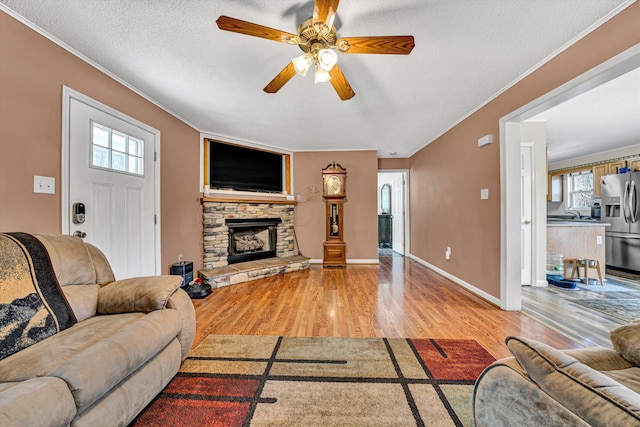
234, 200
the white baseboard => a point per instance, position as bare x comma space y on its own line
468, 286
363, 261
541, 283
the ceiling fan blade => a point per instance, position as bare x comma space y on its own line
325, 11
283, 77
243, 27
396, 45
340, 83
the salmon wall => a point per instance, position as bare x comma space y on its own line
447, 175
32, 72
360, 206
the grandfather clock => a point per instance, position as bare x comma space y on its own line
334, 179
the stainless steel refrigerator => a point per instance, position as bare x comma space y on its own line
620, 208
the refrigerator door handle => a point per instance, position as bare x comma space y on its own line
632, 202
625, 199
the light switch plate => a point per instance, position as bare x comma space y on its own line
484, 193
44, 184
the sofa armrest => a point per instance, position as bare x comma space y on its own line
181, 302
505, 396
139, 294
588, 393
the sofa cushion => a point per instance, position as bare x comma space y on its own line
628, 377
42, 358
95, 370
104, 274
37, 402
142, 294
626, 341
599, 358
593, 396
70, 258
83, 300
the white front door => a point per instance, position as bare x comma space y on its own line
112, 173
526, 210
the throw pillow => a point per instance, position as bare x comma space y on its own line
626, 341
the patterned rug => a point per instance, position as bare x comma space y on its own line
317, 381
624, 309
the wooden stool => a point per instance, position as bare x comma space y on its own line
587, 264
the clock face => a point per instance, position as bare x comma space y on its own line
334, 185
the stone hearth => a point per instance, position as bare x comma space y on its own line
252, 270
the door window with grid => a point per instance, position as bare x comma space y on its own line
116, 151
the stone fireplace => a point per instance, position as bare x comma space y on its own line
223, 226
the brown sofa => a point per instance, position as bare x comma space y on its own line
129, 341
542, 386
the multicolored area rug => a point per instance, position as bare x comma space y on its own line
318, 381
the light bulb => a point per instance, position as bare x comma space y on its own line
302, 63
322, 75
327, 58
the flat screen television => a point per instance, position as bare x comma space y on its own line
232, 167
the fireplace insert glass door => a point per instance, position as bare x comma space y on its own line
252, 239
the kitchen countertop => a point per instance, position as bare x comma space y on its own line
576, 223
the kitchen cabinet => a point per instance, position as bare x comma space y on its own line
598, 172
634, 164
603, 169
555, 188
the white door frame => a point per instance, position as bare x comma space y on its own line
407, 211
67, 95
510, 289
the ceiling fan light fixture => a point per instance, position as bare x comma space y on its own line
302, 63
327, 58
322, 75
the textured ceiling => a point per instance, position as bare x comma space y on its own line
466, 52
602, 119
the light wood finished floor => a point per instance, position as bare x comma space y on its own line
398, 298
555, 307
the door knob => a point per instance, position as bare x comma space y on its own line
80, 234
527, 221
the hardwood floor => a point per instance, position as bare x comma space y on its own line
558, 309
398, 298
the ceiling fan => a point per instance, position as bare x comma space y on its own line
317, 39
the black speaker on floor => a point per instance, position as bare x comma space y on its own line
184, 269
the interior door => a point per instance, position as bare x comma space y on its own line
397, 213
526, 211
112, 174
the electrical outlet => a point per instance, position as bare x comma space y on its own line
484, 193
598, 240
447, 253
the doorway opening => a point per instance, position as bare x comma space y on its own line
510, 140
393, 212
